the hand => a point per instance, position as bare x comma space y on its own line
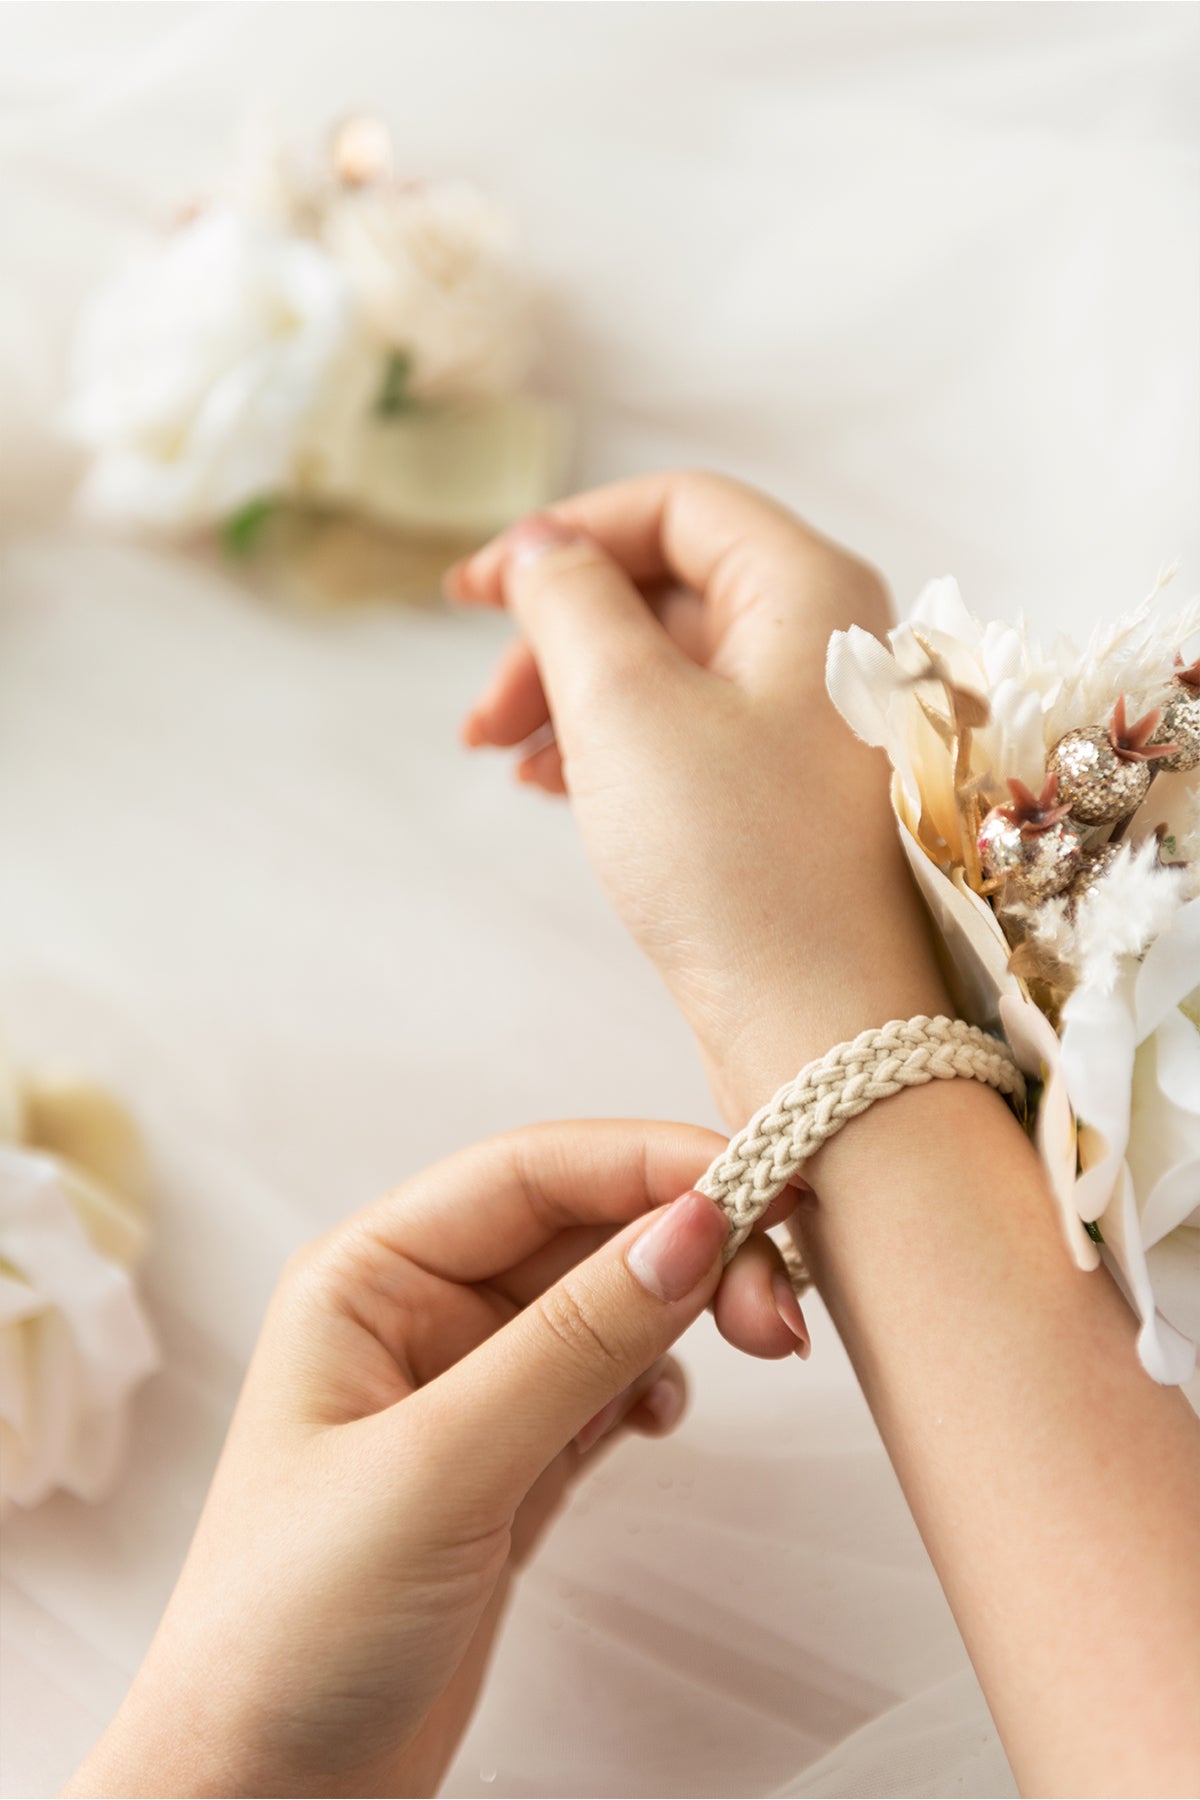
430, 1378
674, 631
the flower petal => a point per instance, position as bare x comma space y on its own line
1166, 1354
1036, 1047
970, 934
1170, 969
1097, 1061
861, 676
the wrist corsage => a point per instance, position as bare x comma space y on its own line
1049, 807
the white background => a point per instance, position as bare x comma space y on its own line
929, 272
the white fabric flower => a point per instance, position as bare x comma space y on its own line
196, 371
1131, 1062
74, 1342
430, 266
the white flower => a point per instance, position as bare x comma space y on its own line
430, 266
196, 372
1130, 1058
74, 1342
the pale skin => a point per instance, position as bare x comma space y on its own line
672, 635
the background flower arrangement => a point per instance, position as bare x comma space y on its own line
74, 1340
1049, 806
332, 339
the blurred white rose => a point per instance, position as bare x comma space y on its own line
196, 371
431, 267
74, 1342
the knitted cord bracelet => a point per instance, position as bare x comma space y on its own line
758, 1163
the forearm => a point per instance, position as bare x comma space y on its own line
1056, 1486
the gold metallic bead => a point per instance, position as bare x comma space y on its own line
1180, 725
1032, 865
1094, 780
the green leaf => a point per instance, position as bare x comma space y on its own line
394, 396
1093, 1231
242, 529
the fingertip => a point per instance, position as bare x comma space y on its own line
787, 1305
471, 581
662, 1407
747, 1308
473, 732
543, 768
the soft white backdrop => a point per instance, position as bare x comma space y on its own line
930, 272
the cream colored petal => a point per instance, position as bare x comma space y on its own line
116, 1231
861, 675
1174, 1270
81, 1352
940, 607
1169, 970
1017, 731
1177, 1057
1166, 1354
1164, 1137
1097, 1062
974, 946
12, 1105
85, 1125
1036, 1047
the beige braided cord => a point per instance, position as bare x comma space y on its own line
758, 1163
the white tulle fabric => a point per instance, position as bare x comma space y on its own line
893, 264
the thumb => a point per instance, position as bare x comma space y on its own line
579, 610
496, 1419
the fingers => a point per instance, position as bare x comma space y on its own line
678, 524
774, 588
579, 611
483, 1211
756, 1308
652, 1405
544, 768
501, 1415
513, 705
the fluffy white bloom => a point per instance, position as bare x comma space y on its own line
197, 370
1133, 656
1117, 919
1033, 697
430, 265
74, 1342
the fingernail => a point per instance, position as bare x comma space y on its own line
678, 1250
533, 537
788, 1308
601, 1422
664, 1402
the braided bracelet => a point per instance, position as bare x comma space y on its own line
758, 1163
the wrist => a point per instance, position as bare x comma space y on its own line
798, 1019
167, 1738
